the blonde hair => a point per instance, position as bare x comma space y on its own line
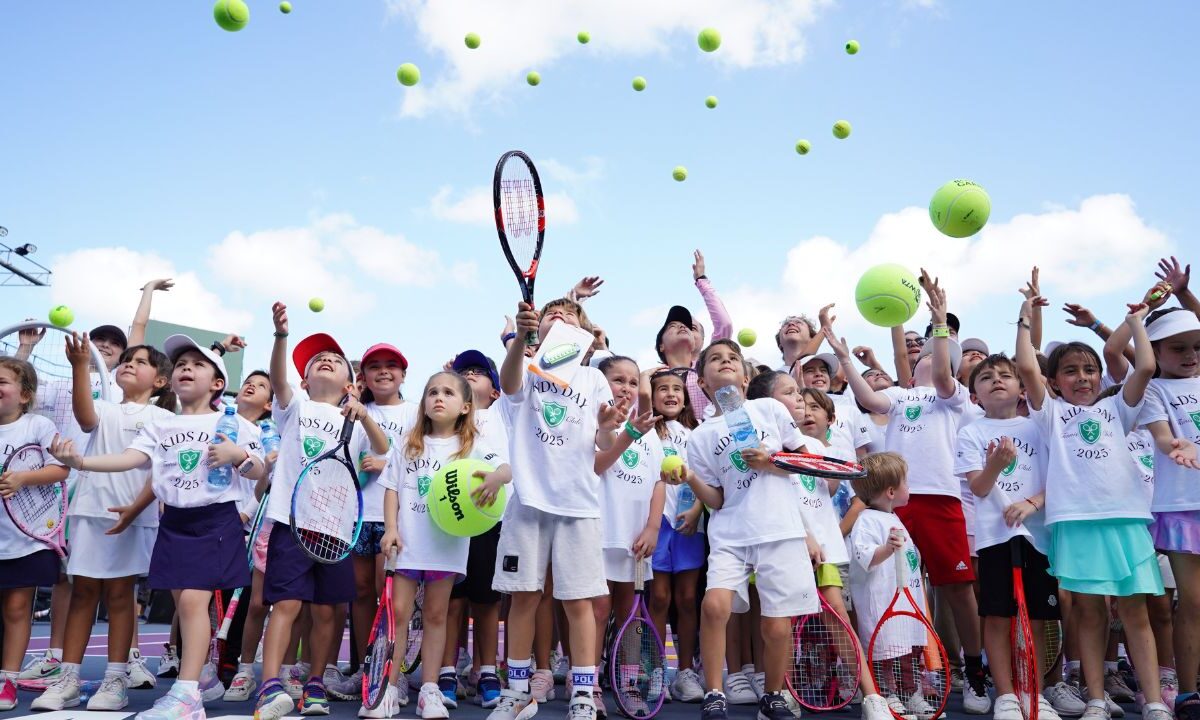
26, 378
885, 471
464, 426
573, 306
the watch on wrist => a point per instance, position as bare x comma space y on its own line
218, 348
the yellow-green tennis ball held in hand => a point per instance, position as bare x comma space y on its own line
583, 37
639, 83
285, 7
671, 464
710, 101
533, 78
960, 208
841, 129
408, 75
679, 173
888, 295
316, 304
61, 316
852, 47
709, 39
747, 337
451, 507
231, 15
472, 40
803, 146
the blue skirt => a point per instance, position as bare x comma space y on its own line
37, 569
200, 548
1104, 557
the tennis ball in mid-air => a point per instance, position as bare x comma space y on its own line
671, 464
451, 507
709, 39
960, 208
888, 295
852, 47
285, 7
316, 304
61, 316
408, 75
639, 83
841, 129
533, 78
803, 146
710, 101
679, 173
747, 337
583, 37
472, 40
231, 15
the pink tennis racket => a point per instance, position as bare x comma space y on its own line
39, 511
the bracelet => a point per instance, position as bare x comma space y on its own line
1095, 326
1021, 323
281, 335
506, 338
941, 332
218, 348
632, 431
1031, 502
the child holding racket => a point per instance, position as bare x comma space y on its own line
24, 562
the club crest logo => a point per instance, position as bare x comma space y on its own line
669, 451
735, 457
1012, 466
1195, 419
553, 413
809, 482
96, 394
1147, 460
912, 412
312, 446
828, 434
423, 483
630, 457
911, 556
188, 460
1089, 430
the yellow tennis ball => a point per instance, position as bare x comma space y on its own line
231, 15
472, 40
710, 101
960, 208
316, 304
803, 146
709, 39
679, 173
583, 37
285, 7
639, 83
747, 337
852, 47
408, 75
61, 316
671, 464
533, 78
448, 499
841, 129
888, 295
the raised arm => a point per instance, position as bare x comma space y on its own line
1084, 318
943, 372
900, 357
137, 330
722, 328
1119, 354
279, 361
1143, 356
79, 354
512, 369
1177, 277
871, 400
1026, 357
1033, 289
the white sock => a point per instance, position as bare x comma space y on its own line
1110, 665
56, 653
114, 669
583, 676
518, 674
485, 669
448, 670
191, 687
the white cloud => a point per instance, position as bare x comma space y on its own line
523, 35
474, 207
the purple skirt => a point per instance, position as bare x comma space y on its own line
1176, 532
38, 569
200, 548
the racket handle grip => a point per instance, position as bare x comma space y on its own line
223, 633
531, 338
901, 569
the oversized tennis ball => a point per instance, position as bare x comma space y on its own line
709, 39
408, 75
583, 37
710, 101
472, 40
639, 83
285, 7
888, 295
960, 208
671, 464
61, 316
803, 146
316, 304
450, 504
852, 47
231, 15
747, 337
533, 78
841, 129
679, 173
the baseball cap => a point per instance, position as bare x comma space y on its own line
175, 345
955, 354
111, 332
830, 361
1051, 347
975, 344
314, 345
385, 349
951, 320
475, 358
677, 313
1174, 322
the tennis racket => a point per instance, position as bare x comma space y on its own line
48, 357
520, 220
378, 664
236, 598
817, 465
905, 655
39, 511
414, 634
1054, 648
216, 611
825, 661
1024, 654
327, 503
638, 666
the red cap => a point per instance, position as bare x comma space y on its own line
313, 345
386, 349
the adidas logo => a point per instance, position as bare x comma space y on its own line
961, 565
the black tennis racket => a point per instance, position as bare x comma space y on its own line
327, 503
520, 220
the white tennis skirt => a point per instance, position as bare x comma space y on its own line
96, 555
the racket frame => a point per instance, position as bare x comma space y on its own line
340, 452
639, 622
55, 540
1022, 630
525, 276
817, 465
837, 699
106, 381
231, 609
414, 634
385, 615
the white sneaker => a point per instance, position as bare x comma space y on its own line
430, 704
1114, 710
687, 686
1046, 711
61, 694
514, 705
1007, 707
211, 689
582, 707
974, 701
874, 707
896, 706
1115, 686
168, 664
242, 687
1063, 699
738, 690
758, 681
657, 688
177, 704
41, 668
918, 707
388, 706
1156, 711
140, 677
112, 695
1096, 710
345, 688
293, 683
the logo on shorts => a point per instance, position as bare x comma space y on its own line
1195, 419
911, 556
912, 412
809, 482
1147, 460
735, 457
1052, 600
423, 483
312, 446
1089, 430
630, 457
1012, 466
553, 413
188, 460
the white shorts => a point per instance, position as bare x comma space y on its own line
100, 556
1164, 568
785, 587
618, 566
532, 540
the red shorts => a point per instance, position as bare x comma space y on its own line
939, 530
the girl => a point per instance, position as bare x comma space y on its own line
1099, 544
199, 546
24, 562
444, 431
101, 563
876, 423
631, 505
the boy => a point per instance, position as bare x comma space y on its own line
306, 427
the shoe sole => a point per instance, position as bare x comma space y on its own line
65, 705
273, 710
122, 706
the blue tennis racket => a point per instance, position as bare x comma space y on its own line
327, 503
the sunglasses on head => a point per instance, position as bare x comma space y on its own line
679, 372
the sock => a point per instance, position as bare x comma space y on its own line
973, 664
72, 668
518, 674
135, 653
487, 669
583, 676
10, 675
1110, 665
114, 669
271, 681
191, 687
448, 670
55, 653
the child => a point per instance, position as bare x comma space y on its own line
443, 431
199, 547
755, 528
850, 427
1099, 544
1003, 458
102, 563
306, 426
554, 514
24, 562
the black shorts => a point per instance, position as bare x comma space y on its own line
996, 582
481, 566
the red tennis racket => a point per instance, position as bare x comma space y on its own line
216, 612
817, 465
378, 664
1024, 654
825, 660
520, 220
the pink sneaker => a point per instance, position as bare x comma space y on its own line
1169, 686
541, 685
8, 695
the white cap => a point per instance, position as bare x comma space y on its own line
1175, 322
175, 345
1051, 347
830, 361
955, 354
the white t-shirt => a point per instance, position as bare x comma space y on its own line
116, 428
489, 422
1141, 446
850, 423
757, 508
922, 427
872, 588
675, 443
552, 442
395, 421
876, 435
1176, 487
816, 505
177, 446
27, 429
306, 429
1090, 474
1023, 478
626, 489
424, 545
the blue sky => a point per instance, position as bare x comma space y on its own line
285, 161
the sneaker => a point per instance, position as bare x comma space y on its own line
8, 694
956, 678
463, 664
388, 706
177, 704
447, 684
488, 690
293, 684
348, 688
1188, 708
772, 706
1114, 710
1115, 686
657, 689
41, 668
874, 707
975, 695
715, 706
314, 701
1127, 674
140, 677
598, 702
896, 706
470, 688
794, 707
1157, 711
582, 707
334, 676
431, 703
917, 707
211, 689
112, 695
1096, 710
241, 687
758, 681
1007, 707
273, 702
738, 690
541, 685
61, 694
635, 705
1063, 699
168, 664
686, 687
1168, 685
1046, 711
513, 705
558, 666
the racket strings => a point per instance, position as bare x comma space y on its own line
1024, 662
327, 509
638, 666
824, 673
520, 213
909, 662
378, 661
38, 508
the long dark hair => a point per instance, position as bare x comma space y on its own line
163, 397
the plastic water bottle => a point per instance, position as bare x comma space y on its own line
733, 407
227, 426
687, 498
269, 438
841, 499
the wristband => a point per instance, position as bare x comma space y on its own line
1021, 323
218, 348
1095, 326
281, 335
1031, 502
506, 338
941, 332
632, 432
